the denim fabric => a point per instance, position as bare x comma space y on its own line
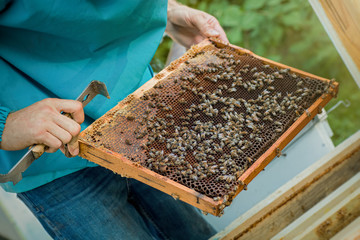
96, 204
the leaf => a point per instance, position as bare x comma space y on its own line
235, 36
277, 33
232, 16
293, 19
254, 4
217, 9
250, 20
203, 6
274, 2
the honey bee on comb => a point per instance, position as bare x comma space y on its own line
208, 120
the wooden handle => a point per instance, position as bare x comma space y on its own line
38, 150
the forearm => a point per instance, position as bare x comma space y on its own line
4, 112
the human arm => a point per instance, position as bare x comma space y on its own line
189, 26
43, 123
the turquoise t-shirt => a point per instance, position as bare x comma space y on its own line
55, 48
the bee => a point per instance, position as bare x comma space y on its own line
278, 130
278, 75
221, 207
144, 97
278, 123
196, 81
130, 117
181, 92
285, 70
141, 135
231, 90
159, 85
167, 108
299, 90
196, 115
216, 199
182, 101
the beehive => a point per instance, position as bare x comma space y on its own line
205, 126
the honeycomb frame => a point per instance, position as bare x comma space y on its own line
122, 164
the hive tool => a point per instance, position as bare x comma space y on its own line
15, 174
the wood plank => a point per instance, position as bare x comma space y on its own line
335, 220
350, 232
341, 20
327, 217
290, 201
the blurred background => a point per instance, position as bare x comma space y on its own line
290, 34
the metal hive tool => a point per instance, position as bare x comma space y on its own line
205, 126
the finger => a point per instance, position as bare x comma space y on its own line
52, 142
209, 26
73, 107
74, 148
62, 149
67, 124
222, 35
60, 133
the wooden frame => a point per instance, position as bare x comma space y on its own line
119, 164
290, 201
341, 22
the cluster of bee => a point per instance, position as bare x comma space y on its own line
224, 114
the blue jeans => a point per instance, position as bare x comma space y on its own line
96, 204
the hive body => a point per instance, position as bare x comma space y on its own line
205, 126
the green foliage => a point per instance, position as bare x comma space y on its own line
289, 32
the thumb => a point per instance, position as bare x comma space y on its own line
206, 23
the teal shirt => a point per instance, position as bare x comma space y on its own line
55, 48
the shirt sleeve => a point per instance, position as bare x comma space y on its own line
4, 112
3, 4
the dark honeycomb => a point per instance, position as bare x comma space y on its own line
209, 120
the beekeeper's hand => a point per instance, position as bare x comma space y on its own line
43, 123
189, 26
